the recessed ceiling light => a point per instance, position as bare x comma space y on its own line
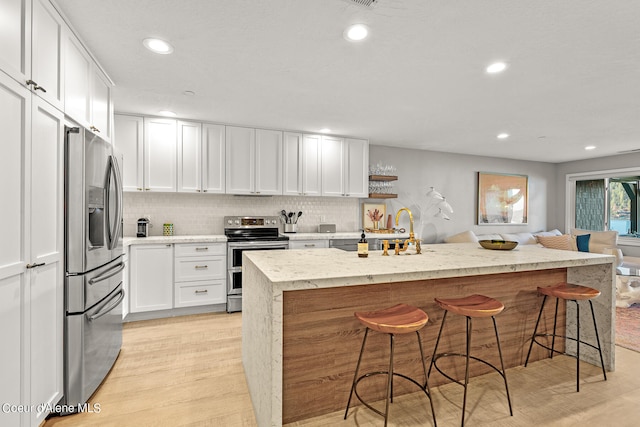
188, 93
496, 67
325, 130
167, 113
356, 32
590, 147
158, 46
502, 136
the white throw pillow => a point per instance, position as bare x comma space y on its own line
464, 237
521, 238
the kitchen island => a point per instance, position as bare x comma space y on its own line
300, 340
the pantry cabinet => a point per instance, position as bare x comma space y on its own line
31, 47
31, 256
344, 167
302, 173
253, 161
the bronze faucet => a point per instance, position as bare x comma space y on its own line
412, 237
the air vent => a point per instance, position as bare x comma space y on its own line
366, 3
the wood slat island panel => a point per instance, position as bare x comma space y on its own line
322, 338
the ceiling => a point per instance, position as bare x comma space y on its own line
418, 81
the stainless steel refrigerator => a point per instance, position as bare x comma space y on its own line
93, 263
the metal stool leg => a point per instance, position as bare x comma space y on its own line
355, 376
535, 330
555, 322
466, 371
435, 349
426, 379
577, 345
389, 381
504, 372
595, 327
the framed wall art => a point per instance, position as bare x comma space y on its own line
502, 198
373, 215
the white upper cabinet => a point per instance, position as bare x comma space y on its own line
87, 90
301, 163
31, 47
213, 158
189, 157
159, 169
357, 167
128, 140
253, 161
344, 167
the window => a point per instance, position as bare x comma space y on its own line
605, 201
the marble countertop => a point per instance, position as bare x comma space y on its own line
213, 238
305, 269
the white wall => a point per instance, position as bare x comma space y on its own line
455, 176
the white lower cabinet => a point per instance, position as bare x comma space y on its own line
200, 274
308, 244
151, 278
167, 276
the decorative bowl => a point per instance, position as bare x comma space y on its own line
503, 245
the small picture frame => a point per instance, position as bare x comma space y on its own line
502, 198
367, 221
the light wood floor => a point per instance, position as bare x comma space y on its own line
187, 371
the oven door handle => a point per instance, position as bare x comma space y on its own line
107, 308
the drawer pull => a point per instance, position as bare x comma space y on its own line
201, 267
202, 249
310, 245
202, 292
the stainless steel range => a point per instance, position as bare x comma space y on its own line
248, 234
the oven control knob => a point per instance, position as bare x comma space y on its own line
237, 222
273, 221
229, 221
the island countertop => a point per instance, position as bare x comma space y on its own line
299, 335
311, 268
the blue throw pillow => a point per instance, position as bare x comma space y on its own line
582, 242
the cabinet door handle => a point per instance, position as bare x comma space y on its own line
202, 291
198, 267
202, 249
147, 189
34, 265
35, 86
168, 246
95, 129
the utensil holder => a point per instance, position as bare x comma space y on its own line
290, 228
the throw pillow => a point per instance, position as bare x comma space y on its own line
464, 237
583, 242
556, 242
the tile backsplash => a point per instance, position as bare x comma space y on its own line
198, 214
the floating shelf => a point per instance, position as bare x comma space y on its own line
383, 178
382, 196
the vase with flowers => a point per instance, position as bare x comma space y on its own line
375, 216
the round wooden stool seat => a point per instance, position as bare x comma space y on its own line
471, 306
399, 319
569, 291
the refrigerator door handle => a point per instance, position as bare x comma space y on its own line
114, 171
107, 308
109, 273
118, 178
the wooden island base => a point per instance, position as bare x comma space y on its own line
322, 338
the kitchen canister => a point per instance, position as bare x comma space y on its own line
167, 229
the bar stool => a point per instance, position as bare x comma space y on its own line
470, 307
575, 293
399, 319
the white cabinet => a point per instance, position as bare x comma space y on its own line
200, 274
128, 139
308, 244
253, 161
189, 157
31, 255
31, 47
302, 173
87, 90
201, 160
151, 277
159, 159
344, 167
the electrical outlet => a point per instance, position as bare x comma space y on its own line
323, 218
